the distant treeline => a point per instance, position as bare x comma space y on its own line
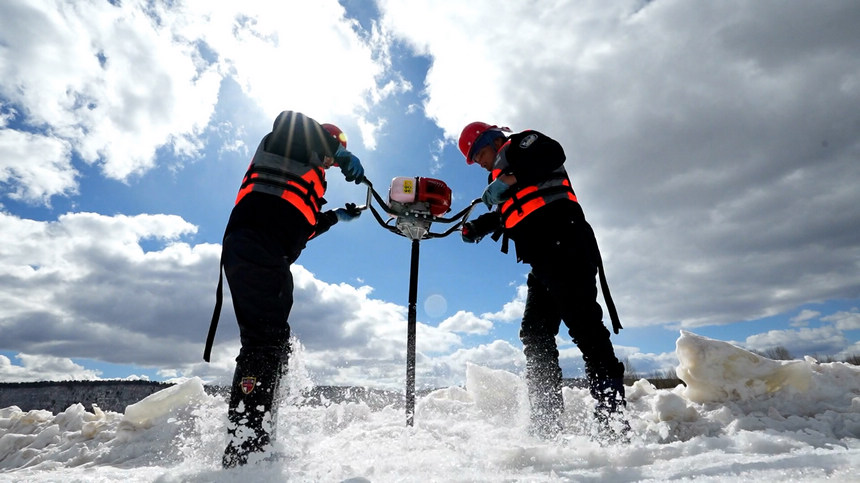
116, 395
780, 353
100, 382
57, 396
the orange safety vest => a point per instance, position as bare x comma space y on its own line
529, 198
301, 184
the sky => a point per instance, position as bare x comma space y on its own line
713, 148
739, 418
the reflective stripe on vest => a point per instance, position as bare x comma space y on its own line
528, 199
302, 185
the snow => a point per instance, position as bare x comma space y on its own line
741, 417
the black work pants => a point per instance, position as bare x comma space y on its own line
560, 246
261, 286
543, 374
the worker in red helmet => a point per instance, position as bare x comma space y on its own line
534, 205
277, 210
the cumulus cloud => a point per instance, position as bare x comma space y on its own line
69, 69
83, 283
498, 354
43, 368
84, 286
36, 167
112, 83
466, 322
712, 148
845, 320
800, 342
511, 311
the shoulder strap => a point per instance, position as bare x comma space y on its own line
604, 287
216, 314
610, 305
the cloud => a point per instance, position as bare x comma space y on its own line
511, 311
79, 285
466, 322
83, 286
43, 368
648, 364
800, 342
68, 70
497, 354
305, 56
36, 167
112, 84
844, 320
850, 352
804, 316
712, 148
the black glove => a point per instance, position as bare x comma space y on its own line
474, 230
349, 213
469, 234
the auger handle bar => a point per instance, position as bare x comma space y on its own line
458, 219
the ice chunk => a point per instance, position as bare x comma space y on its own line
157, 405
717, 371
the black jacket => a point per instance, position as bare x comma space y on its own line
297, 137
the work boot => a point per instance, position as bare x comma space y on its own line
543, 378
609, 409
252, 408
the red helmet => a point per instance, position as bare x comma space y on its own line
336, 132
470, 135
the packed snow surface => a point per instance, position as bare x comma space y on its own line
741, 417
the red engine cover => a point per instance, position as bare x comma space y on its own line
423, 194
436, 193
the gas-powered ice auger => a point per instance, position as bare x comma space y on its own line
414, 203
